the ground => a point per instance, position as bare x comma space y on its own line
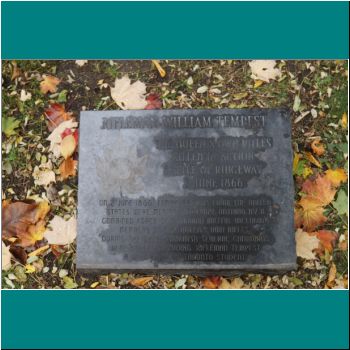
315, 91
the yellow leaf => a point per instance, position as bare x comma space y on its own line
94, 285
237, 283
30, 268
296, 162
141, 281
68, 146
49, 84
337, 176
317, 147
312, 159
258, 83
344, 121
161, 71
39, 250
307, 171
312, 213
240, 95
225, 284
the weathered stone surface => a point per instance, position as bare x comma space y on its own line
186, 191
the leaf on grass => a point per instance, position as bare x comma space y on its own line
40, 250
5, 257
258, 83
61, 232
127, 95
19, 253
202, 89
68, 283
312, 159
49, 84
341, 203
56, 114
337, 176
317, 147
43, 177
81, 63
344, 121
141, 281
153, 102
327, 238
16, 72
264, 70
311, 214
25, 96
9, 124
306, 244
320, 189
160, 70
296, 104
212, 282
331, 276
68, 168
25, 221
68, 146
30, 268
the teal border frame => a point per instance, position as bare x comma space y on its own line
181, 30
175, 319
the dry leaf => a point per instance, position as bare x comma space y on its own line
62, 232
327, 238
153, 102
81, 63
212, 282
264, 70
16, 72
320, 189
306, 244
25, 221
56, 114
127, 95
311, 214
160, 70
68, 168
312, 159
5, 257
39, 250
258, 83
68, 146
141, 281
317, 147
336, 177
344, 121
202, 89
331, 276
225, 284
49, 84
237, 283
43, 177
25, 96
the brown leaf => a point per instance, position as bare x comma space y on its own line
49, 84
19, 253
327, 239
16, 72
57, 250
56, 114
331, 276
320, 189
68, 168
212, 282
25, 221
141, 281
312, 159
311, 214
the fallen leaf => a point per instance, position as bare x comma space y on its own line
16, 72
317, 147
153, 102
139, 282
49, 84
19, 253
296, 104
320, 189
9, 124
240, 95
331, 275
68, 146
202, 89
344, 121
311, 215
68, 283
81, 63
327, 239
56, 114
237, 283
225, 284
212, 282
160, 70
40, 250
25, 96
264, 70
127, 95
68, 168
30, 268
94, 285
337, 176
305, 244
25, 221
258, 83
312, 159
341, 203
61, 232
5, 257
57, 250
43, 177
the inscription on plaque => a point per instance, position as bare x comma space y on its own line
185, 190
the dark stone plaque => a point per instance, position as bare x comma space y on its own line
186, 191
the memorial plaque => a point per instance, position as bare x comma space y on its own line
200, 191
